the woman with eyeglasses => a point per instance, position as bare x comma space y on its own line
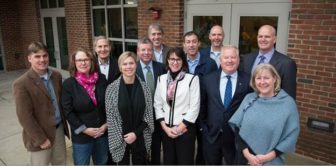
177, 104
267, 122
83, 101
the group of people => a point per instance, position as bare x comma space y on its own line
123, 111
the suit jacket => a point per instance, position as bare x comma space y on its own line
213, 115
34, 108
79, 108
284, 65
114, 72
206, 65
158, 69
164, 54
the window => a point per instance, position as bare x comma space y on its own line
45, 4
117, 19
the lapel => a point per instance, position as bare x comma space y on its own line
275, 59
216, 85
250, 60
37, 82
238, 87
155, 70
139, 71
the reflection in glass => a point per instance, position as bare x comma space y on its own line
50, 40
113, 2
131, 47
61, 3
202, 26
52, 4
118, 49
131, 23
99, 22
63, 44
44, 4
248, 31
130, 2
114, 17
97, 2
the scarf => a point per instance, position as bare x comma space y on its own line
88, 82
171, 82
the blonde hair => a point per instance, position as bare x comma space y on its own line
124, 56
274, 73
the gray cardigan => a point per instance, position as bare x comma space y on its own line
266, 124
117, 144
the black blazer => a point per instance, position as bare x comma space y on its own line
114, 72
213, 115
285, 66
206, 65
158, 69
79, 108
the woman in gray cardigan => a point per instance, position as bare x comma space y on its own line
267, 122
129, 113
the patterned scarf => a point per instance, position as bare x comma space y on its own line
88, 82
172, 84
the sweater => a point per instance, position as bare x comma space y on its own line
266, 124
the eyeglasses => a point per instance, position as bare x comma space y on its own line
173, 60
82, 60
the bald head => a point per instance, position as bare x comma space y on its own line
216, 37
266, 38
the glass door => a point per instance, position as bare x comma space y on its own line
240, 20
55, 37
2, 65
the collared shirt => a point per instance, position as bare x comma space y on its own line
193, 63
50, 87
158, 55
268, 57
104, 68
215, 56
223, 81
144, 70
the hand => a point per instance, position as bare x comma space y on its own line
92, 132
101, 130
267, 157
181, 129
129, 138
169, 131
252, 159
46, 144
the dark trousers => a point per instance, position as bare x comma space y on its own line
180, 150
138, 157
222, 147
156, 144
199, 153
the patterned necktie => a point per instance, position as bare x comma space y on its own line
228, 92
150, 79
262, 59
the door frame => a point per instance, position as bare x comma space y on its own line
279, 8
53, 13
2, 52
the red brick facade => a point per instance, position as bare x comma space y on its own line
312, 43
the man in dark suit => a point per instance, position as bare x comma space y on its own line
37, 96
199, 65
107, 64
285, 66
155, 34
149, 70
216, 36
222, 92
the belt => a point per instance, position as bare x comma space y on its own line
58, 125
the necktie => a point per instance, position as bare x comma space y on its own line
228, 92
262, 59
150, 79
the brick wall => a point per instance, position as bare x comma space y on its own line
172, 19
78, 24
312, 41
20, 25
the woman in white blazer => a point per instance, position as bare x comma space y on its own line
177, 104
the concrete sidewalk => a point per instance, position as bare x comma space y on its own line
12, 151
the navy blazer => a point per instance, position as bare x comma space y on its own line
158, 69
285, 66
206, 65
205, 51
114, 72
213, 115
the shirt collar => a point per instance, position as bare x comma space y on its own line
268, 55
234, 75
143, 65
160, 50
198, 56
107, 63
47, 75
